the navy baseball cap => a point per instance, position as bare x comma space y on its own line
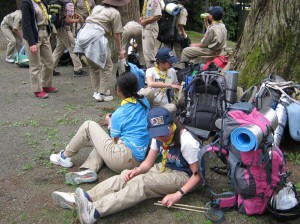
159, 122
166, 54
216, 11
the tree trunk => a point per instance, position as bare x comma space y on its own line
130, 12
270, 42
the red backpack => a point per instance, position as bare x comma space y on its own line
254, 174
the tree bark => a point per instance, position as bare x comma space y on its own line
270, 42
130, 12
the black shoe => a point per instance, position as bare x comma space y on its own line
55, 73
80, 73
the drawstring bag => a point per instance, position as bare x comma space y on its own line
21, 58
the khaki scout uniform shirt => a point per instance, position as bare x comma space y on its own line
81, 7
153, 9
215, 36
14, 20
41, 20
182, 17
107, 17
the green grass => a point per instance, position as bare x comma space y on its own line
196, 37
294, 157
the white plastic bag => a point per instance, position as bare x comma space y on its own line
121, 66
286, 198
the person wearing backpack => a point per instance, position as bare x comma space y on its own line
11, 29
151, 13
127, 144
65, 38
171, 179
161, 78
214, 40
36, 33
92, 41
181, 34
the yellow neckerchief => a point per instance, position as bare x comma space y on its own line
161, 76
216, 21
41, 5
128, 100
87, 6
144, 8
166, 148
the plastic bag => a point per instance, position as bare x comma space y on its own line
286, 198
21, 58
121, 66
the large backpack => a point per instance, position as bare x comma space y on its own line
204, 101
57, 11
254, 174
168, 32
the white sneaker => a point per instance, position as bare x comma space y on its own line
85, 176
98, 97
10, 60
86, 209
58, 160
107, 98
94, 95
64, 200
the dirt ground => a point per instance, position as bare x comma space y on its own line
31, 129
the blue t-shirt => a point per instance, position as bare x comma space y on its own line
129, 123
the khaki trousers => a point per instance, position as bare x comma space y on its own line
133, 31
116, 156
176, 47
100, 77
65, 40
115, 194
150, 33
149, 94
189, 53
14, 41
40, 65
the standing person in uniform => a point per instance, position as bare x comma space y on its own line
181, 23
92, 41
65, 40
36, 33
126, 147
151, 13
214, 40
11, 29
133, 30
171, 179
83, 8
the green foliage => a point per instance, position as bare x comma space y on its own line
28, 166
195, 8
294, 157
297, 185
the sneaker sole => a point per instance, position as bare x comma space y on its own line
63, 165
59, 200
75, 178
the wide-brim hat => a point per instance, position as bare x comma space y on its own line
116, 2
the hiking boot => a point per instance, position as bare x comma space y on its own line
64, 200
107, 98
86, 176
50, 89
58, 160
55, 73
98, 97
10, 60
80, 73
86, 209
41, 95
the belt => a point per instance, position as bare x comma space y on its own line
42, 27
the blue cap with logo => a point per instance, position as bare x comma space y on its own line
165, 54
159, 122
216, 11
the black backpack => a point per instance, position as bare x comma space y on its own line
168, 32
204, 101
56, 10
